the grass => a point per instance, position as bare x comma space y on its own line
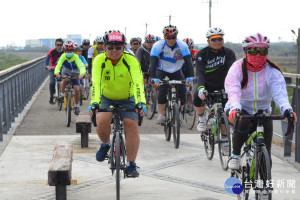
9, 60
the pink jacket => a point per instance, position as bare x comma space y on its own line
261, 88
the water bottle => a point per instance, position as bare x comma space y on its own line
260, 137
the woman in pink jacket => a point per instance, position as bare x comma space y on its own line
251, 84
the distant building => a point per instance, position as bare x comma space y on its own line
33, 43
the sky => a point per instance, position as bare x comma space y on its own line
36, 19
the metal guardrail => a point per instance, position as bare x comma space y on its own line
17, 86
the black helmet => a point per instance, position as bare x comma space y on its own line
114, 37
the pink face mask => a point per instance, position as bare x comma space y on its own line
256, 63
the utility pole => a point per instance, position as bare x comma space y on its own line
297, 132
209, 9
125, 31
170, 18
146, 32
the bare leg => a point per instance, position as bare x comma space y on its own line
132, 138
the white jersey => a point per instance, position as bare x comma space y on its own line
170, 60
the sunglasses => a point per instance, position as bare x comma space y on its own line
150, 41
255, 52
220, 39
171, 38
135, 43
110, 48
58, 45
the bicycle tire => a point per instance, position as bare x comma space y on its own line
244, 178
189, 113
69, 109
123, 155
209, 141
176, 125
167, 124
263, 173
59, 104
118, 166
87, 88
80, 99
223, 120
151, 101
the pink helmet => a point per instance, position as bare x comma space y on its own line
257, 40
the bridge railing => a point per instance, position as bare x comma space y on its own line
17, 86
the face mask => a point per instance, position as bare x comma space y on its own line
256, 63
69, 55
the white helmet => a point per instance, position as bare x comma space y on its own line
214, 31
99, 39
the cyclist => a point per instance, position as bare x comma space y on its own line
190, 43
51, 61
212, 65
94, 51
169, 55
252, 82
78, 51
117, 79
135, 43
143, 53
85, 48
71, 65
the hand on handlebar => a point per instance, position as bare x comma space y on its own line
232, 116
141, 109
57, 75
202, 93
156, 81
290, 116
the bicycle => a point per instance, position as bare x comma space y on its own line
150, 95
172, 111
255, 170
69, 97
86, 86
57, 93
216, 125
117, 154
189, 113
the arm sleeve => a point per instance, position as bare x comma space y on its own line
80, 65
48, 60
278, 90
153, 64
200, 70
96, 79
138, 83
231, 58
233, 86
83, 60
59, 64
139, 55
189, 65
90, 66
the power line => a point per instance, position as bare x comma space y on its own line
209, 7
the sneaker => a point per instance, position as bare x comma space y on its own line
234, 162
61, 99
83, 97
102, 152
131, 170
76, 110
160, 119
201, 126
51, 101
224, 145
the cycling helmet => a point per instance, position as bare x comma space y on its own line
99, 39
76, 49
150, 38
69, 45
136, 39
214, 31
170, 30
75, 45
114, 37
86, 42
256, 40
189, 41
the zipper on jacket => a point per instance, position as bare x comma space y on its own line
255, 93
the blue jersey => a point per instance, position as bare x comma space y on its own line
83, 60
170, 60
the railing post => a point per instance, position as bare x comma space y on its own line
297, 147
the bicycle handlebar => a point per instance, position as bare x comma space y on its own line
173, 82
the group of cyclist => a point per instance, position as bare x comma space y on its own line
116, 74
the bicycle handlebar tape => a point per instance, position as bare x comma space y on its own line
94, 115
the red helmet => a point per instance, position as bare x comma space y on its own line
69, 45
170, 30
150, 38
189, 42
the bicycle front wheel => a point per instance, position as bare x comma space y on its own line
189, 113
167, 124
69, 109
244, 175
263, 175
59, 103
87, 88
176, 125
151, 101
118, 165
224, 143
208, 138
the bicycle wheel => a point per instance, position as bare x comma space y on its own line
189, 113
167, 124
176, 125
118, 165
123, 155
59, 104
209, 139
80, 99
69, 108
151, 101
224, 145
263, 175
87, 88
244, 175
